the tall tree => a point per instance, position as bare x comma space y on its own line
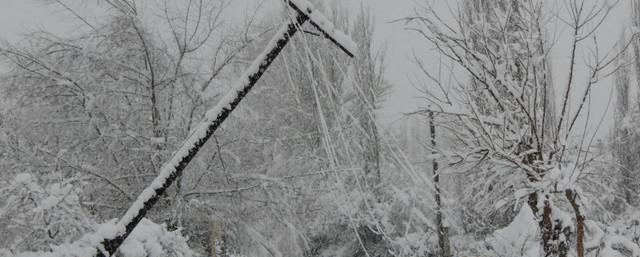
623, 141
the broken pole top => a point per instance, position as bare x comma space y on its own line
320, 22
214, 118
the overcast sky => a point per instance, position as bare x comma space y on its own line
20, 16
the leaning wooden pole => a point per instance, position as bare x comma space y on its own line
215, 117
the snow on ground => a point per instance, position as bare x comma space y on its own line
148, 239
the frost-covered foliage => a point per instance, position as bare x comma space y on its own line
519, 238
626, 121
35, 214
153, 240
147, 240
52, 221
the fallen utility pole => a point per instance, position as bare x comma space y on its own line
215, 116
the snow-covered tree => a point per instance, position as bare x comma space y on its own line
503, 128
111, 102
39, 212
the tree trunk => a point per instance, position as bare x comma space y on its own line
555, 235
572, 196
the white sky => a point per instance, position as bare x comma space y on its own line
20, 16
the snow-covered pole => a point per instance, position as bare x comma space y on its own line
320, 22
214, 118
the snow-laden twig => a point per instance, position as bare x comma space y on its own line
224, 191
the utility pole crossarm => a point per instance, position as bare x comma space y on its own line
320, 22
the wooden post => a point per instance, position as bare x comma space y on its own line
217, 241
443, 230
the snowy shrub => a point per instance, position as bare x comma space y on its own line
33, 216
149, 239
38, 219
519, 238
